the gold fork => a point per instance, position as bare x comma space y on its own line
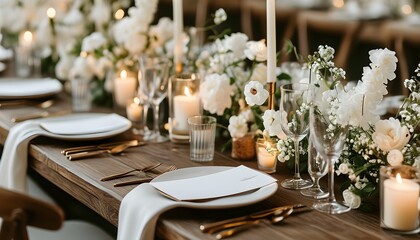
144, 180
120, 175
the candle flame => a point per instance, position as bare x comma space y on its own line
399, 179
83, 54
51, 12
27, 36
187, 91
123, 74
119, 14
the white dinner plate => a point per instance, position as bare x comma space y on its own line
29, 88
224, 202
79, 126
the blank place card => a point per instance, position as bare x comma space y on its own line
226, 183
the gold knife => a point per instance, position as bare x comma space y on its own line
36, 115
217, 226
72, 150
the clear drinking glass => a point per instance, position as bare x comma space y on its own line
317, 168
294, 110
329, 142
154, 86
202, 137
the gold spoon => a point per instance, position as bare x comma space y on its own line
114, 150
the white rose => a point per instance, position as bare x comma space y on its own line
272, 123
81, 69
100, 13
237, 127
389, 134
161, 33
255, 94
350, 199
395, 157
256, 51
216, 92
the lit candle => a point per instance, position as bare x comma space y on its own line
124, 88
134, 110
266, 159
178, 29
271, 41
25, 39
51, 13
185, 106
400, 203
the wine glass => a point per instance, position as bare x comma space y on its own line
328, 140
294, 110
317, 168
154, 86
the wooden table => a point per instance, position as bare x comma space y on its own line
81, 180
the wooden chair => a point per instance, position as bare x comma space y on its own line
19, 211
22, 214
319, 21
405, 39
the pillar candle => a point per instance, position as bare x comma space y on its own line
400, 203
271, 41
185, 106
124, 88
178, 29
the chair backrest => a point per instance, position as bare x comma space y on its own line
19, 211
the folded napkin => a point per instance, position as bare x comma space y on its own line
139, 212
13, 164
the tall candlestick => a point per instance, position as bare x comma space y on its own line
271, 41
178, 29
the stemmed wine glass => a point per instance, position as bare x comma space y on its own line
317, 168
328, 140
294, 110
154, 85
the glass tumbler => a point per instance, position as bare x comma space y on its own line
202, 138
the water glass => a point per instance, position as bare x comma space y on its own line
202, 138
81, 95
399, 196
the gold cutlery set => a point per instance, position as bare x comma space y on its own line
75, 153
232, 226
28, 103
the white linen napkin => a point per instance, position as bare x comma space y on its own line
139, 212
14, 162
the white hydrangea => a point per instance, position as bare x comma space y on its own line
94, 41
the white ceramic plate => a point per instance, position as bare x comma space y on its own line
225, 202
29, 88
72, 126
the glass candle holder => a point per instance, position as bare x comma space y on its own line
399, 199
266, 155
134, 111
125, 86
184, 102
243, 147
